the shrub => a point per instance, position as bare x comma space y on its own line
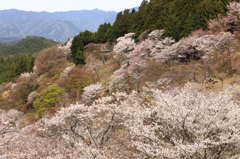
48, 98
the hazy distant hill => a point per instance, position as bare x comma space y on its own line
9, 40
85, 19
58, 26
30, 44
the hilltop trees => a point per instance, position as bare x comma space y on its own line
101, 35
177, 17
19, 58
77, 50
84, 38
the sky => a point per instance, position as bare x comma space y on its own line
67, 5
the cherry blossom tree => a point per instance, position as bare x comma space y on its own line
120, 80
92, 130
185, 123
9, 120
92, 92
228, 22
123, 47
159, 122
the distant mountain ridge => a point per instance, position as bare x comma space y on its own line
58, 26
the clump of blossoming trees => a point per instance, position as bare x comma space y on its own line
159, 122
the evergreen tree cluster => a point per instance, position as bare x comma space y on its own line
12, 66
177, 17
84, 38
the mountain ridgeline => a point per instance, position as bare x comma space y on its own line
58, 26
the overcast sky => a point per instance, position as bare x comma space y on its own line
67, 5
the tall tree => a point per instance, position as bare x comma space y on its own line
77, 50
102, 33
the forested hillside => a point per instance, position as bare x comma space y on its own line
166, 88
30, 44
19, 57
177, 17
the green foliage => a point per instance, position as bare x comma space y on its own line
84, 38
48, 98
31, 44
12, 66
112, 33
121, 26
3, 46
23, 63
87, 37
77, 50
6, 64
102, 33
